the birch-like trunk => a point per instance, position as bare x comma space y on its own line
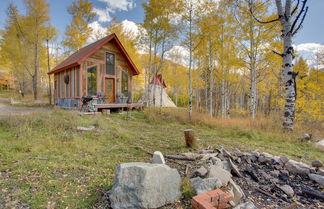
210, 79
49, 76
35, 76
253, 74
253, 92
288, 56
154, 69
223, 96
148, 76
190, 62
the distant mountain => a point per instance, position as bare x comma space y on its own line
308, 51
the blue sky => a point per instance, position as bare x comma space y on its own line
132, 10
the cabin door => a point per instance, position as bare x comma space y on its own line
110, 90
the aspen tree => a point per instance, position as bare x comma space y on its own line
291, 19
78, 32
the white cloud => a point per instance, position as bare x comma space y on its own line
119, 4
104, 14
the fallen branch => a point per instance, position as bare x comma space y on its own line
172, 157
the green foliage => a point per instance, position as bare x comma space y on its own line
188, 191
78, 32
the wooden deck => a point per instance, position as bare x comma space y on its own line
119, 106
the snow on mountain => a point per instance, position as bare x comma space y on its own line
132, 28
179, 55
308, 51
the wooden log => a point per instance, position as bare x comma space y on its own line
189, 137
172, 157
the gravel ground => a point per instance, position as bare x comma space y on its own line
7, 110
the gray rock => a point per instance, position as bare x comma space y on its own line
202, 171
306, 137
237, 152
317, 164
226, 165
295, 167
275, 173
205, 185
287, 189
256, 153
81, 128
317, 178
219, 173
158, 158
236, 191
267, 157
216, 160
246, 205
320, 172
143, 185
283, 159
320, 145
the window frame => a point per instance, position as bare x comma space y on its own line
88, 67
106, 63
127, 74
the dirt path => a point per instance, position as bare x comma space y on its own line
7, 110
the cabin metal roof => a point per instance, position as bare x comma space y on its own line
81, 55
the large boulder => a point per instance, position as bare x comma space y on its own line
143, 185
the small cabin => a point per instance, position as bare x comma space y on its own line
101, 68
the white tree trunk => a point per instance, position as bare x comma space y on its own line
210, 79
154, 68
148, 76
253, 93
288, 56
190, 61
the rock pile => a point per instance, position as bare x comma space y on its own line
269, 181
253, 180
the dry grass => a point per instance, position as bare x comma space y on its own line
271, 124
81, 164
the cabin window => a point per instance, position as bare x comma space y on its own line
92, 81
110, 64
124, 83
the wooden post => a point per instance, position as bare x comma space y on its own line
189, 137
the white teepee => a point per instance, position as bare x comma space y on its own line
166, 100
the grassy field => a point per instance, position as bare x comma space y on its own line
72, 167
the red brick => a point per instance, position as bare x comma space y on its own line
226, 197
216, 199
